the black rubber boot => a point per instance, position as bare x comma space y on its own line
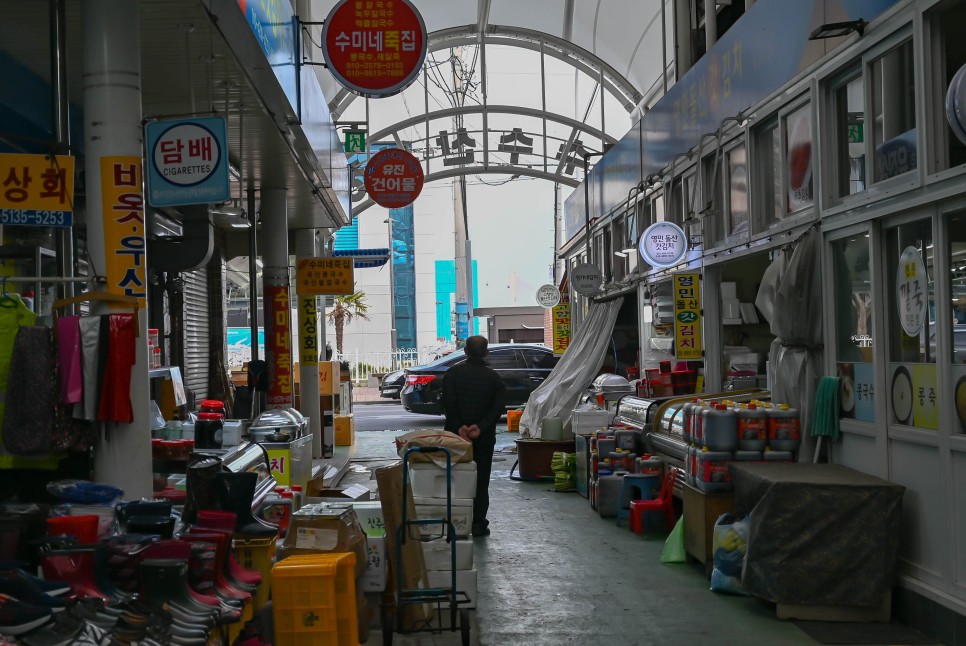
235, 493
165, 582
200, 486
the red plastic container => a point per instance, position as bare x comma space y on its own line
84, 528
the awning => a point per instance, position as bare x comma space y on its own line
364, 258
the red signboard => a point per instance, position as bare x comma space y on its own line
394, 178
374, 47
278, 346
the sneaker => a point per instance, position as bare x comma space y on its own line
61, 632
26, 591
53, 588
17, 618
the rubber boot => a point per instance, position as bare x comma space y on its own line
181, 551
225, 521
164, 583
200, 486
236, 491
103, 582
75, 568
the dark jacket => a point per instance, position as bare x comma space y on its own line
473, 393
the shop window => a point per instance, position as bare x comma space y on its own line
894, 113
911, 312
767, 159
712, 215
659, 211
737, 164
956, 226
675, 202
848, 97
798, 180
949, 55
619, 257
853, 297
689, 204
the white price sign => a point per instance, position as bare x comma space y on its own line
912, 296
586, 279
548, 295
663, 244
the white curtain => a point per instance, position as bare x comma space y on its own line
559, 393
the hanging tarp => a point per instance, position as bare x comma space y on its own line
559, 393
790, 298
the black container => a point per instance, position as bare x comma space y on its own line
209, 430
163, 526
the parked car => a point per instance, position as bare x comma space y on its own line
392, 384
522, 366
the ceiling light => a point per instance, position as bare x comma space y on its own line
229, 216
838, 29
621, 254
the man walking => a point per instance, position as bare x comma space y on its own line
473, 398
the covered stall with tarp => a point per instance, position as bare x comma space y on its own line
581, 362
790, 299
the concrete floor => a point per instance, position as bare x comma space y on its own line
553, 572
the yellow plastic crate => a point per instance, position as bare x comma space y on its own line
257, 554
314, 600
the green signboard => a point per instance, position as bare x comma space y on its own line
355, 141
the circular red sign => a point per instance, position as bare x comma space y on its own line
374, 48
394, 178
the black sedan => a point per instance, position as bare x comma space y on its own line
523, 367
392, 384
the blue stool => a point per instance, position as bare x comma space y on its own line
634, 483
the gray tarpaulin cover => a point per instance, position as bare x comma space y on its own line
820, 533
790, 299
559, 393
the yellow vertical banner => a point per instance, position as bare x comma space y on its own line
687, 316
308, 332
561, 327
925, 405
122, 209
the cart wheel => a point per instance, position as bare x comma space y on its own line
387, 627
465, 626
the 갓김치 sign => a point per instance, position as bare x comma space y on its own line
393, 178
122, 206
36, 190
663, 244
325, 276
187, 161
375, 48
687, 316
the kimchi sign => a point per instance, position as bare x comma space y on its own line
375, 48
394, 178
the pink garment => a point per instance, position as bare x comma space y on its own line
69, 356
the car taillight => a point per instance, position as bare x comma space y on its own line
419, 380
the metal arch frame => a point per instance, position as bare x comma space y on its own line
559, 48
483, 170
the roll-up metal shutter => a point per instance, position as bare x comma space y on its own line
197, 353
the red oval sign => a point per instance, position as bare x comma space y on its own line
394, 178
374, 48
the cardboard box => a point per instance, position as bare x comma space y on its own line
329, 375
374, 578
352, 493
465, 582
345, 430
316, 529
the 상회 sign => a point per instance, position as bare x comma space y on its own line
36, 190
393, 178
187, 161
375, 48
663, 244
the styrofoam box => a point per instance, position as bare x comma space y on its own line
593, 418
465, 582
462, 509
438, 556
429, 481
369, 513
374, 578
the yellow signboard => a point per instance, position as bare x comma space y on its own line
687, 317
308, 332
36, 190
122, 210
325, 276
561, 327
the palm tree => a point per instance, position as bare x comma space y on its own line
346, 308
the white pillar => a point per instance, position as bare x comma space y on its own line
112, 128
279, 353
306, 246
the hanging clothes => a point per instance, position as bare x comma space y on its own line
32, 393
90, 332
70, 360
115, 401
13, 314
